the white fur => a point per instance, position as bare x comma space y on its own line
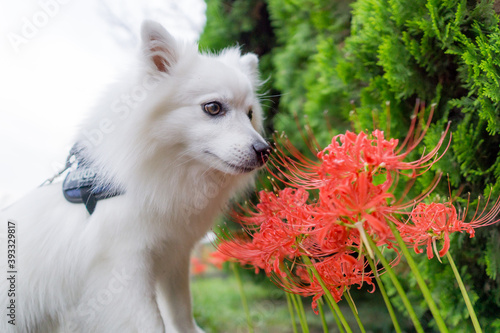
125, 268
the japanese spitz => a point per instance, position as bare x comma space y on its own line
179, 137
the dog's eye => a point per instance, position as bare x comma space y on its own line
250, 114
212, 108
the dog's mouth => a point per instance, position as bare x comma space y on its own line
237, 168
240, 169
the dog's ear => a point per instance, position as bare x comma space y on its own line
160, 47
250, 64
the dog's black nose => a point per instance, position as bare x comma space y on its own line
263, 151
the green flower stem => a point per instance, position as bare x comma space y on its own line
398, 286
243, 297
354, 311
328, 295
297, 303
337, 320
322, 315
303, 322
468, 303
420, 280
302, 313
290, 309
387, 301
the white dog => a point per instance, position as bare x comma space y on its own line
177, 138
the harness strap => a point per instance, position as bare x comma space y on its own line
89, 199
81, 184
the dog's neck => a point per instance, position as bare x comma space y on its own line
188, 200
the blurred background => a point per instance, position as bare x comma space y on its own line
328, 65
56, 58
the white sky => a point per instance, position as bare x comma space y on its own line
68, 53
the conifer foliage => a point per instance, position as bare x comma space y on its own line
340, 62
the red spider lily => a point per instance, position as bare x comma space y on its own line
354, 178
217, 258
289, 203
329, 238
435, 221
197, 266
342, 271
350, 154
277, 241
480, 220
276, 225
243, 251
268, 248
429, 222
338, 273
357, 200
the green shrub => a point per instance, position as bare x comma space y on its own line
321, 54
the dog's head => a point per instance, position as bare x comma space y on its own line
212, 112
